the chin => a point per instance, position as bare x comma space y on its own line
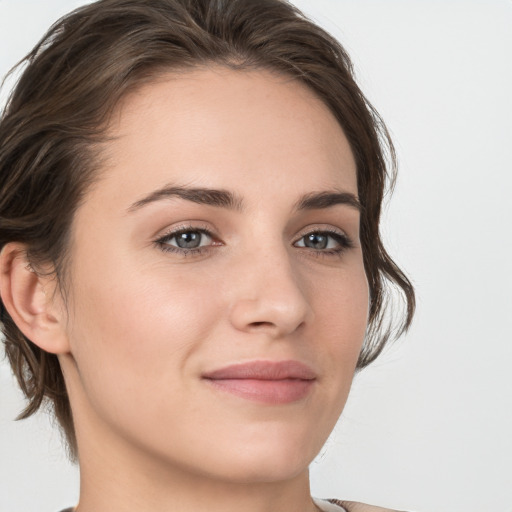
274, 468
257, 460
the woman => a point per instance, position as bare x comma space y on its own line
191, 266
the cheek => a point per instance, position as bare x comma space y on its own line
342, 317
343, 306
134, 334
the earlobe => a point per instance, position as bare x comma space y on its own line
30, 300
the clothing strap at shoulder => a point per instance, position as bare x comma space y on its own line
352, 506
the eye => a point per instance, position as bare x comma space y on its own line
194, 240
325, 242
186, 240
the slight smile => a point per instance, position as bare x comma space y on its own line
268, 382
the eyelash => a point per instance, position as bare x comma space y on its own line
343, 240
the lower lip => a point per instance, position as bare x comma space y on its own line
265, 391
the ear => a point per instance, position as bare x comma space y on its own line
32, 300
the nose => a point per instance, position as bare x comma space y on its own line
269, 295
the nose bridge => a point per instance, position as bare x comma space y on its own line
269, 293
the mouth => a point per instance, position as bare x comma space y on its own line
266, 382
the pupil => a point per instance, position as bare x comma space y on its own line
189, 240
318, 241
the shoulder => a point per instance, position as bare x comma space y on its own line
353, 506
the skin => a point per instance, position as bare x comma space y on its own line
142, 325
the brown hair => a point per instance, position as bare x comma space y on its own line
75, 77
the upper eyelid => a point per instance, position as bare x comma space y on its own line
203, 228
328, 229
183, 229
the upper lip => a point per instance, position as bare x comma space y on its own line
263, 370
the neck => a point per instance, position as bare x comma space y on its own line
113, 481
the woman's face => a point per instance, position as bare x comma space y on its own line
172, 288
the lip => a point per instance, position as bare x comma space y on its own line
269, 382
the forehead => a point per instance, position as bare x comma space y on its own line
223, 128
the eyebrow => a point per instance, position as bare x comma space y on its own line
222, 198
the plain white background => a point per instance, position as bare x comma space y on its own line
428, 426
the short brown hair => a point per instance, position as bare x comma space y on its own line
74, 78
